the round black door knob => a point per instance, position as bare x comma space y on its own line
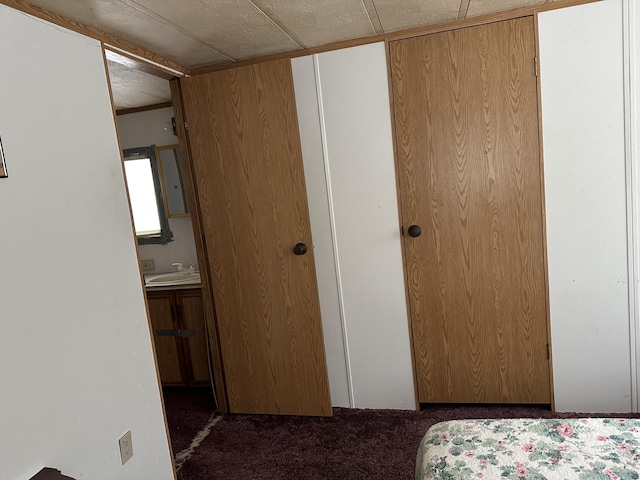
300, 249
414, 231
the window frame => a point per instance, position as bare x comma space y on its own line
165, 236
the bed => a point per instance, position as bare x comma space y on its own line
582, 448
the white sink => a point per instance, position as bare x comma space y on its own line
173, 278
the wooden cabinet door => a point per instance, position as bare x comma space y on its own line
189, 304
169, 352
249, 183
469, 173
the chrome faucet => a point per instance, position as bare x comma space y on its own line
179, 266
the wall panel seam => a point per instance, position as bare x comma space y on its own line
332, 221
630, 112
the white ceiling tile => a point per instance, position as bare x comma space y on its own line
236, 27
195, 33
396, 15
126, 98
127, 82
131, 24
319, 23
482, 7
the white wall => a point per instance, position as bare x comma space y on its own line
76, 362
345, 126
583, 108
321, 230
153, 127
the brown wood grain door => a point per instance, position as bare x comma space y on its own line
465, 106
247, 164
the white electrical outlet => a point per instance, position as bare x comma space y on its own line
126, 447
147, 265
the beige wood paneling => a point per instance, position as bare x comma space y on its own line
247, 163
469, 174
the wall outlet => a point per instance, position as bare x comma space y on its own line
126, 447
147, 265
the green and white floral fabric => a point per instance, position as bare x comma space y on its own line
585, 449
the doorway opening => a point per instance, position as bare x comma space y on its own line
142, 99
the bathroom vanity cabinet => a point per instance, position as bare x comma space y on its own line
177, 323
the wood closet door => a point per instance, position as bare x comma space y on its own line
249, 182
469, 172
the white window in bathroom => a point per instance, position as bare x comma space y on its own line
145, 195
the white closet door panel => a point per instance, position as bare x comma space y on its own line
581, 63
359, 152
304, 80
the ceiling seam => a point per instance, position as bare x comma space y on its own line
176, 27
277, 21
463, 10
374, 18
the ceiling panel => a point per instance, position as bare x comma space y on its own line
481, 7
131, 24
396, 15
133, 88
197, 33
318, 23
124, 98
236, 27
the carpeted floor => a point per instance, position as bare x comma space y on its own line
351, 445
188, 410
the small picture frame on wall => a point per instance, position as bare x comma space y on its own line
3, 165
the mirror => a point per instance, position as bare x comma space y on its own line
171, 176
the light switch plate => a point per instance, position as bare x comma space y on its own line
147, 265
126, 447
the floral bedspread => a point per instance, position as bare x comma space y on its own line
585, 448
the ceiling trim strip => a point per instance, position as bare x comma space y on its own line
172, 71
156, 106
112, 41
398, 35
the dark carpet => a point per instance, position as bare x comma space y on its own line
188, 410
351, 445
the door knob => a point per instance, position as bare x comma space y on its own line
300, 249
414, 231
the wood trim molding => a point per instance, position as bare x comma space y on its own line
208, 301
107, 39
126, 111
388, 37
292, 54
543, 197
